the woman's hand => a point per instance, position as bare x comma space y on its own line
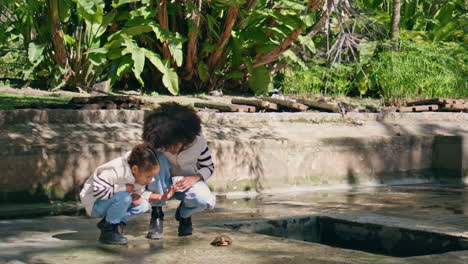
187, 182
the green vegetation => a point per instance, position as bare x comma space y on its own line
10, 100
393, 50
319, 79
11, 66
420, 70
357, 57
190, 45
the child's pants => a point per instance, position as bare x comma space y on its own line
119, 208
196, 199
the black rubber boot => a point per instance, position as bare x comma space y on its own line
101, 223
185, 224
177, 213
155, 230
110, 234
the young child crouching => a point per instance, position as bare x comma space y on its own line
116, 191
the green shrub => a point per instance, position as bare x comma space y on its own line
299, 81
420, 70
316, 79
417, 71
11, 64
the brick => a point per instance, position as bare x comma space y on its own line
455, 107
418, 108
438, 101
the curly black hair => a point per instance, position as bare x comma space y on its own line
143, 157
170, 124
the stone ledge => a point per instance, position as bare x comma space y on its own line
22, 116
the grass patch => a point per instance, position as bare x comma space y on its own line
420, 71
11, 100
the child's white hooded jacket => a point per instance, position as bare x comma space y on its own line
108, 179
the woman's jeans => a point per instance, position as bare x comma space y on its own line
197, 198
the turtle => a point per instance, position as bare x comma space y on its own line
222, 240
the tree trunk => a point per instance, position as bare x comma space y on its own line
231, 17
396, 24
314, 5
164, 24
191, 58
56, 32
58, 40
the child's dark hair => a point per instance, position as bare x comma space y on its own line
170, 124
143, 156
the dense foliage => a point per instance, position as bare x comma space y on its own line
424, 69
355, 57
336, 47
201, 45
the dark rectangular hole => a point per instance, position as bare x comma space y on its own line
373, 238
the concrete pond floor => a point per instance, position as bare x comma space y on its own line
440, 209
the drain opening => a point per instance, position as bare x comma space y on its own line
373, 238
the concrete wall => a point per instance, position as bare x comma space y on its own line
450, 156
47, 154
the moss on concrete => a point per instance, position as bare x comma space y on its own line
320, 120
55, 192
310, 180
236, 186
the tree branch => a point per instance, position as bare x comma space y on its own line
224, 38
191, 59
318, 26
286, 44
164, 24
276, 53
57, 38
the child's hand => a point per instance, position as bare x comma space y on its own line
130, 187
168, 193
136, 199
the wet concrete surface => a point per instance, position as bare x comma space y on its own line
73, 239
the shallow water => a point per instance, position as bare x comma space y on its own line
73, 239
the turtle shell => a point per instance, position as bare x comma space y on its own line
222, 240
